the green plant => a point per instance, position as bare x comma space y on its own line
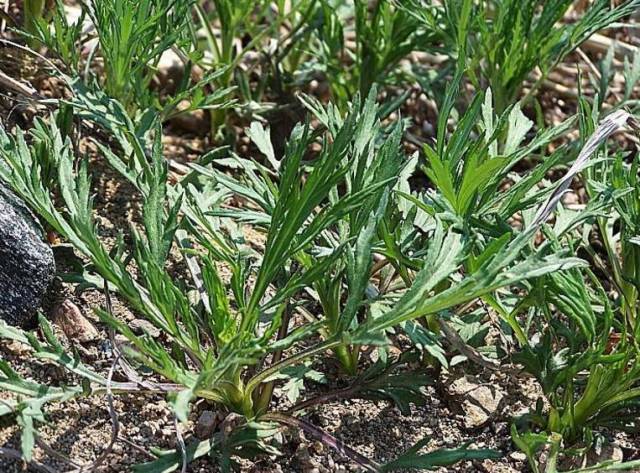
384, 35
585, 352
367, 173
321, 250
468, 167
585, 361
310, 216
366, 232
55, 33
503, 41
34, 12
132, 37
211, 343
273, 33
130, 41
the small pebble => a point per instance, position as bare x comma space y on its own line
75, 326
206, 425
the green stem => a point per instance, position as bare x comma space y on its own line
348, 357
552, 462
330, 301
264, 399
298, 357
510, 318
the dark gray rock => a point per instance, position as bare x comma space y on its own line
27, 266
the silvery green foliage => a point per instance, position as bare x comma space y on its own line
324, 221
221, 337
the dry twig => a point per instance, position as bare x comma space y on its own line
16, 455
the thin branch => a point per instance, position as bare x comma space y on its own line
181, 446
16, 455
474, 355
44, 446
6, 17
360, 383
300, 356
18, 87
115, 424
327, 397
56, 454
324, 437
136, 381
36, 54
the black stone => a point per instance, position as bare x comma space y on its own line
27, 266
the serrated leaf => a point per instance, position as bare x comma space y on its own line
262, 139
295, 376
425, 340
519, 126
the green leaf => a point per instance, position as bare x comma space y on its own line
413, 460
443, 258
487, 118
529, 442
359, 268
519, 126
440, 176
295, 376
169, 461
425, 340
476, 179
27, 438
180, 404
262, 139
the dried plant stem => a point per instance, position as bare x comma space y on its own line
475, 356
115, 424
16, 455
324, 437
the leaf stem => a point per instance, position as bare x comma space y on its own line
273, 369
266, 393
